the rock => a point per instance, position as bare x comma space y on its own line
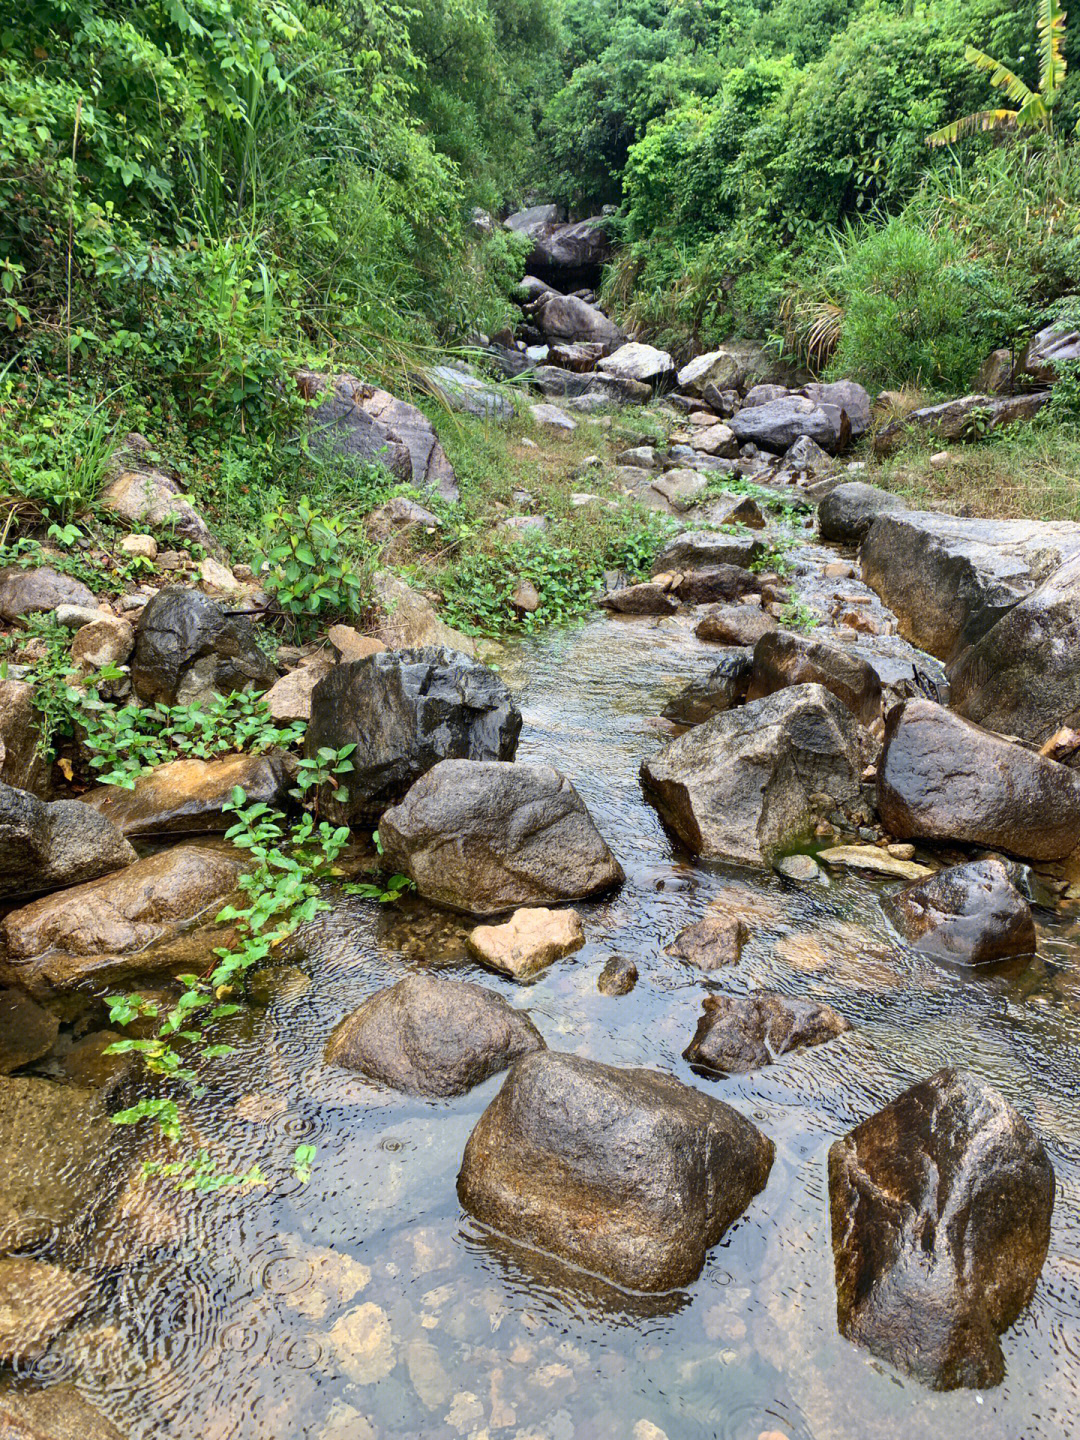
776, 425
635, 361
409, 621
140, 547
185, 797
763, 394
969, 417
643, 456
806, 457
431, 1036
874, 859
145, 496
1051, 347
526, 598
849, 397
742, 625
565, 317
783, 658
846, 513
58, 1412
530, 941
647, 599
74, 617
722, 689
27, 1031
399, 515
359, 424
108, 641
217, 579
750, 784
523, 527
404, 711
711, 943
940, 460
571, 253
1021, 676
678, 489
716, 440
969, 913
941, 1207
579, 358
704, 549
584, 392
618, 977
942, 778
737, 510
459, 390
348, 644
46, 846
739, 1033
532, 221
137, 921
187, 649
627, 1173
997, 373
800, 868
30, 592
488, 837
37, 1302
22, 759
289, 698
363, 1344
552, 417
737, 366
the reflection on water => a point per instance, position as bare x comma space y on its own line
365, 1304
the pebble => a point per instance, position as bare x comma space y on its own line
618, 977
144, 547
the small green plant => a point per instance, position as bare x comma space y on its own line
311, 563
795, 615
393, 889
325, 767
1064, 406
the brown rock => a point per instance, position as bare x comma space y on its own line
143, 494
782, 658
970, 913
618, 977
711, 943
185, 797
739, 1033
108, 641
289, 698
531, 940
720, 582
526, 598
735, 624
37, 1302
409, 621
646, 599
27, 592
349, 644
22, 763
27, 1030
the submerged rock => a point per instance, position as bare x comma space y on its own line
46, 846
430, 1036
782, 658
27, 1030
627, 1173
484, 837
187, 649
943, 778
58, 1412
969, 913
941, 1207
37, 1302
529, 941
739, 1033
710, 943
618, 977
404, 711
749, 784
185, 797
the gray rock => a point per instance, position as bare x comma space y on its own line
941, 1207
739, 365
850, 397
971, 914
712, 942
464, 392
750, 784
552, 417
721, 689
1051, 347
739, 1033
618, 977
644, 599
782, 658
404, 711
22, 758
569, 252
635, 361
47, 846
704, 549
627, 1173
565, 317
399, 514
740, 625
677, 490
800, 868
762, 395
776, 425
431, 1036
533, 220
144, 495
531, 287
591, 390
43, 589
847, 512
188, 649
806, 457
409, 621
488, 837
969, 417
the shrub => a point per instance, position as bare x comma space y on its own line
314, 565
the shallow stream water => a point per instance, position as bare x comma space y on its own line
455, 1334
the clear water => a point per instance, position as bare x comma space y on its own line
230, 1335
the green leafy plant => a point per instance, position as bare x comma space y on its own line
324, 768
385, 892
795, 615
311, 563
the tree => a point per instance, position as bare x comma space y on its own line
1033, 107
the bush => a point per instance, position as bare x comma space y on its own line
313, 566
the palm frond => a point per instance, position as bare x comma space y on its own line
1001, 77
1051, 27
972, 124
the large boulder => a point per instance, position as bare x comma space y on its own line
565, 317
848, 396
186, 797
783, 658
635, 361
40, 590
46, 846
22, 748
37, 1302
718, 582
948, 579
483, 837
969, 417
146, 497
570, 254
533, 220
704, 549
751, 783
739, 1033
777, 424
583, 391
969, 913
355, 423
1022, 677
626, 1173
721, 689
157, 915
736, 366
431, 1036
847, 512
187, 648
941, 1207
1051, 347
942, 778
404, 711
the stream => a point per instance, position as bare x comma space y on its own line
236, 1334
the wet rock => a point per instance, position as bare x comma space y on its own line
22, 762
941, 1207
86, 1062
722, 689
27, 1030
46, 846
136, 921
618, 977
57, 1412
635, 361
707, 549
800, 868
530, 941
487, 837
29, 592
739, 1033
409, 621
627, 1173
187, 649
942, 778
363, 1344
967, 418
711, 943
950, 579
185, 797
776, 425
741, 625
565, 317
874, 859
847, 512
783, 658
969, 913
430, 1036
289, 698
751, 784
720, 582
37, 1302
405, 710
108, 641
645, 599
145, 496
